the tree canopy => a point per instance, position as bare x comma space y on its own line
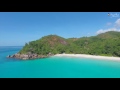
106, 44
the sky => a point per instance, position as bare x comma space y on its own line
18, 28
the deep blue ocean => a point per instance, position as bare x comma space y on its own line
55, 67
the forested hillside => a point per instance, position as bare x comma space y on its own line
106, 44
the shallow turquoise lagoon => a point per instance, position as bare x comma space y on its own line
56, 67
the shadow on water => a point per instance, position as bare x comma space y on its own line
8, 50
4, 60
18, 60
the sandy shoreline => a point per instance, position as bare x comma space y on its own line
90, 56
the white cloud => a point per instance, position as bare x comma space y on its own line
106, 30
117, 23
109, 23
115, 28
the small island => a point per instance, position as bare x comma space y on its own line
105, 44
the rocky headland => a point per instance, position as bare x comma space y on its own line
28, 56
105, 44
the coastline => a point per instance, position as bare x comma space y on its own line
89, 56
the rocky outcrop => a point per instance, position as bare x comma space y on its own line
28, 56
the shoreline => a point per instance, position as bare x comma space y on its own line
89, 56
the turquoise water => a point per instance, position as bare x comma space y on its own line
56, 67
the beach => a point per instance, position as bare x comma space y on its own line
90, 56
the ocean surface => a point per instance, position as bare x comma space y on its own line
55, 67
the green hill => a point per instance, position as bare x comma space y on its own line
110, 34
47, 44
106, 44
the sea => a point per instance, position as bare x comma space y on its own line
55, 67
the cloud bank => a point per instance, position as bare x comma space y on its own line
106, 30
115, 28
117, 23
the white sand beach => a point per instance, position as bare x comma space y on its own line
90, 56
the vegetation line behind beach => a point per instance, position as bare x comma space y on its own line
105, 44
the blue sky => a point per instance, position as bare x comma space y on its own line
17, 28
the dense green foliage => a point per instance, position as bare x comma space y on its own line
107, 44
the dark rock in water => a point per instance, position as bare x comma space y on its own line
27, 56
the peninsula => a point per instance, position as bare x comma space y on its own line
105, 44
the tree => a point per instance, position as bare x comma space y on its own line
103, 44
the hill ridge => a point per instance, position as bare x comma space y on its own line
105, 44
